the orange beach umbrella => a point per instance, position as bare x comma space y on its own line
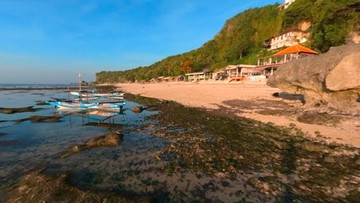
295, 49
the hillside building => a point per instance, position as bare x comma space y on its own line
286, 4
288, 38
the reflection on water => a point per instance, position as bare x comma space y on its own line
110, 119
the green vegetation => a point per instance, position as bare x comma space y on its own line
332, 20
242, 37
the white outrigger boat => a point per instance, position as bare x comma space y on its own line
90, 94
90, 100
62, 104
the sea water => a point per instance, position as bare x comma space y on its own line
26, 145
129, 169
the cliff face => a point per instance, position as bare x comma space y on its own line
329, 80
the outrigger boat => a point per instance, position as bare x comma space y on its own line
90, 100
89, 94
84, 94
62, 104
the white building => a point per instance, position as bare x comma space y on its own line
289, 38
286, 4
234, 71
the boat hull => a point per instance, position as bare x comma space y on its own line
97, 95
109, 106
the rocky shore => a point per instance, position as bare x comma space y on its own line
259, 102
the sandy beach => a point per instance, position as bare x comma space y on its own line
248, 100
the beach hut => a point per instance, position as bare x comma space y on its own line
166, 79
294, 52
197, 76
285, 55
234, 71
181, 78
269, 64
153, 80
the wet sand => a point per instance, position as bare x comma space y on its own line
248, 100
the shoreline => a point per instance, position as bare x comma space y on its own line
251, 101
199, 154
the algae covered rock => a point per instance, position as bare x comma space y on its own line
38, 187
137, 109
17, 110
111, 139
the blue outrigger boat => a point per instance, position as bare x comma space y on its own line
90, 100
62, 104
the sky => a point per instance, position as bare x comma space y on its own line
52, 41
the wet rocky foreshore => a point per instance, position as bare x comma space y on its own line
278, 161
211, 156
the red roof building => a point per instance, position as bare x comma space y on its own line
287, 54
269, 64
295, 49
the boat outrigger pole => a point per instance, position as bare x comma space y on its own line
80, 94
80, 82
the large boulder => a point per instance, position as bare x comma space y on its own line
330, 80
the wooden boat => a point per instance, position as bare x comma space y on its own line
241, 78
88, 104
90, 94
